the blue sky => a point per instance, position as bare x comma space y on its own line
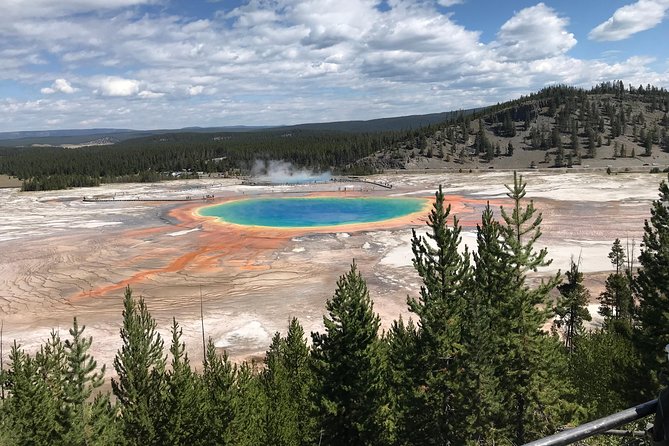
177, 63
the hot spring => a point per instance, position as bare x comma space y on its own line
310, 212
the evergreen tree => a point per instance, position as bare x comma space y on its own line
32, 411
182, 405
288, 381
51, 363
524, 311
652, 286
104, 428
574, 142
140, 367
604, 370
616, 301
401, 354
440, 309
219, 380
250, 405
571, 308
81, 378
347, 365
617, 256
482, 343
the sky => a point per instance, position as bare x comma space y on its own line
148, 64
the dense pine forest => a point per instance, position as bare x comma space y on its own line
485, 358
559, 126
155, 158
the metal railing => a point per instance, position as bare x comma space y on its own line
599, 426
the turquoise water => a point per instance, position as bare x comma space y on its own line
312, 212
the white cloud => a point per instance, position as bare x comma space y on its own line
117, 86
61, 8
631, 19
285, 61
447, 3
534, 33
148, 94
59, 86
77, 56
195, 90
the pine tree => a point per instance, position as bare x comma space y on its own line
401, 353
250, 405
440, 309
524, 311
616, 301
140, 367
51, 363
347, 365
182, 400
605, 371
81, 378
652, 286
571, 308
281, 426
219, 380
481, 142
288, 382
482, 343
31, 411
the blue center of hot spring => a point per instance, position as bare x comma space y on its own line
312, 212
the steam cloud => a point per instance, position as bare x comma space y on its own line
282, 172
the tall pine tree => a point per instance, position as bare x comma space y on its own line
440, 308
219, 380
347, 365
616, 301
523, 313
651, 286
571, 308
288, 383
140, 366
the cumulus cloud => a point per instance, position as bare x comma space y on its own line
117, 86
534, 33
59, 86
631, 19
61, 8
287, 61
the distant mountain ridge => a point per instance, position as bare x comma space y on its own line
84, 136
398, 123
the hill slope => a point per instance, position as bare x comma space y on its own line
609, 125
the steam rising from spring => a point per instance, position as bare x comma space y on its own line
282, 172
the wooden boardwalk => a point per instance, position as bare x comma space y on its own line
94, 200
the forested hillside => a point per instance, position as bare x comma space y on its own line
154, 158
559, 126
474, 364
